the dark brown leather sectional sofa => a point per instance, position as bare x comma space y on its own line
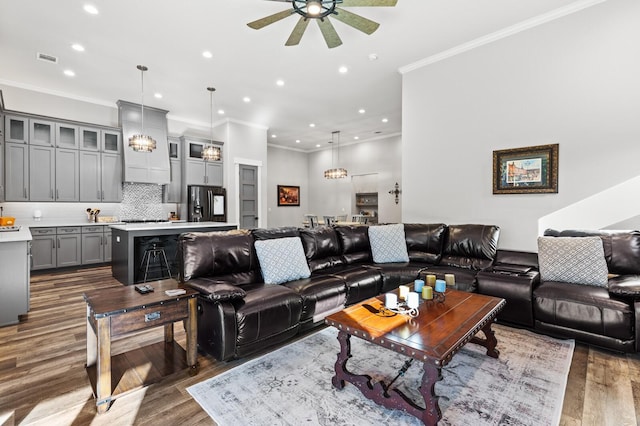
239, 314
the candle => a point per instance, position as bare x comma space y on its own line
427, 292
431, 280
417, 285
413, 300
450, 279
403, 291
390, 300
440, 286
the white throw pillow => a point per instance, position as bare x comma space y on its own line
388, 243
578, 260
282, 260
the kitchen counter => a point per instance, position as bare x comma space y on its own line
129, 241
13, 236
61, 222
14, 264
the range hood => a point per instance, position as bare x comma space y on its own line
144, 167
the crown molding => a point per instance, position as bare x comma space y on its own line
57, 93
503, 33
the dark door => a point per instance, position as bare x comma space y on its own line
248, 197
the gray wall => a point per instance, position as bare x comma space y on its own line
287, 167
573, 81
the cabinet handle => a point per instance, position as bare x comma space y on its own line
51, 193
57, 194
98, 194
53, 244
58, 242
102, 194
24, 191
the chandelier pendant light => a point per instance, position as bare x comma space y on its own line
335, 172
210, 152
141, 142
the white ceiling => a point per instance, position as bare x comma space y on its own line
170, 36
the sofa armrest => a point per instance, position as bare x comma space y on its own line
216, 290
625, 285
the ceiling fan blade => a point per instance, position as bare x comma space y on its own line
263, 22
358, 22
297, 32
329, 33
368, 3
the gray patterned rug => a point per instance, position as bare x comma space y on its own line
292, 385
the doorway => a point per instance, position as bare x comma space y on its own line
248, 185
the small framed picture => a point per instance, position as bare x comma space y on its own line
532, 169
288, 195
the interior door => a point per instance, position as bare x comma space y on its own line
248, 196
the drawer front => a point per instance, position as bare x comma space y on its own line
42, 231
68, 230
149, 317
92, 229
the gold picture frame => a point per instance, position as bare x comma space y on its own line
528, 170
288, 195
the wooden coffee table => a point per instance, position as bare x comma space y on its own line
439, 331
112, 312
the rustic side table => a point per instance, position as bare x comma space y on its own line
117, 311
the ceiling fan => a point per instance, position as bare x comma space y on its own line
320, 11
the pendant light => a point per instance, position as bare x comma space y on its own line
141, 142
335, 172
210, 152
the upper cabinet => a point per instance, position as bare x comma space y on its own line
42, 132
197, 171
16, 129
67, 136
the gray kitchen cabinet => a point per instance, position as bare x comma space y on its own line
173, 190
111, 141
14, 264
89, 138
42, 132
43, 248
42, 164
107, 244
92, 244
67, 175
213, 173
16, 172
203, 173
90, 171
69, 246
110, 178
16, 129
67, 136
1, 158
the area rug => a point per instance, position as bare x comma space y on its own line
292, 385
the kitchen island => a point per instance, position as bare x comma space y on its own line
129, 242
15, 249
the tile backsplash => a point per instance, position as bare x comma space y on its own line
141, 201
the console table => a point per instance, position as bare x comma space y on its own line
117, 311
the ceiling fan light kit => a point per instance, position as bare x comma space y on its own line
321, 11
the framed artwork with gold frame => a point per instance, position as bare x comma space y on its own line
288, 195
532, 169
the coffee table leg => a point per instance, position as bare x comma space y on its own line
432, 374
490, 342
341, 362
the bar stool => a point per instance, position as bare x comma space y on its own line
155, 251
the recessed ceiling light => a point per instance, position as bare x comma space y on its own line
373, 56
385, 120
158, 95
221, 111
207, 54
77, 47
362, 111
274, 136
343, 70
356, 137
318, 146
90, 9
297, 140
280, 82
69, 73
312, 125
246, 99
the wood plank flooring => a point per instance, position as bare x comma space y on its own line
43, 380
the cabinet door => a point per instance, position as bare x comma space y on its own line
90, 189
111, 142
1, 158
194, 173
213, 174
16, 129
42, 132
42, 164
16, 172
173, 190
174, 148
66, 136
89, 138
92, 248
69, 251
111, 178
43, 252
67, 175
107, 244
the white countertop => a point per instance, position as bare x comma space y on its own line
13, 236
169, 225
46, 223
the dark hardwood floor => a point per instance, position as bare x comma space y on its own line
43, 380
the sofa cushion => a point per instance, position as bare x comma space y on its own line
270, 233
577, 260
282, 260
425, 241
321, 247
216, 290
388, 244
470, 246
354, 241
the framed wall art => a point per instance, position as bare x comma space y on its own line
288, 195
532, 169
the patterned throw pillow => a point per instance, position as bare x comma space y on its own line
388, 243
578, 260
282, 260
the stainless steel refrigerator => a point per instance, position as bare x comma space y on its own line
206, 204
